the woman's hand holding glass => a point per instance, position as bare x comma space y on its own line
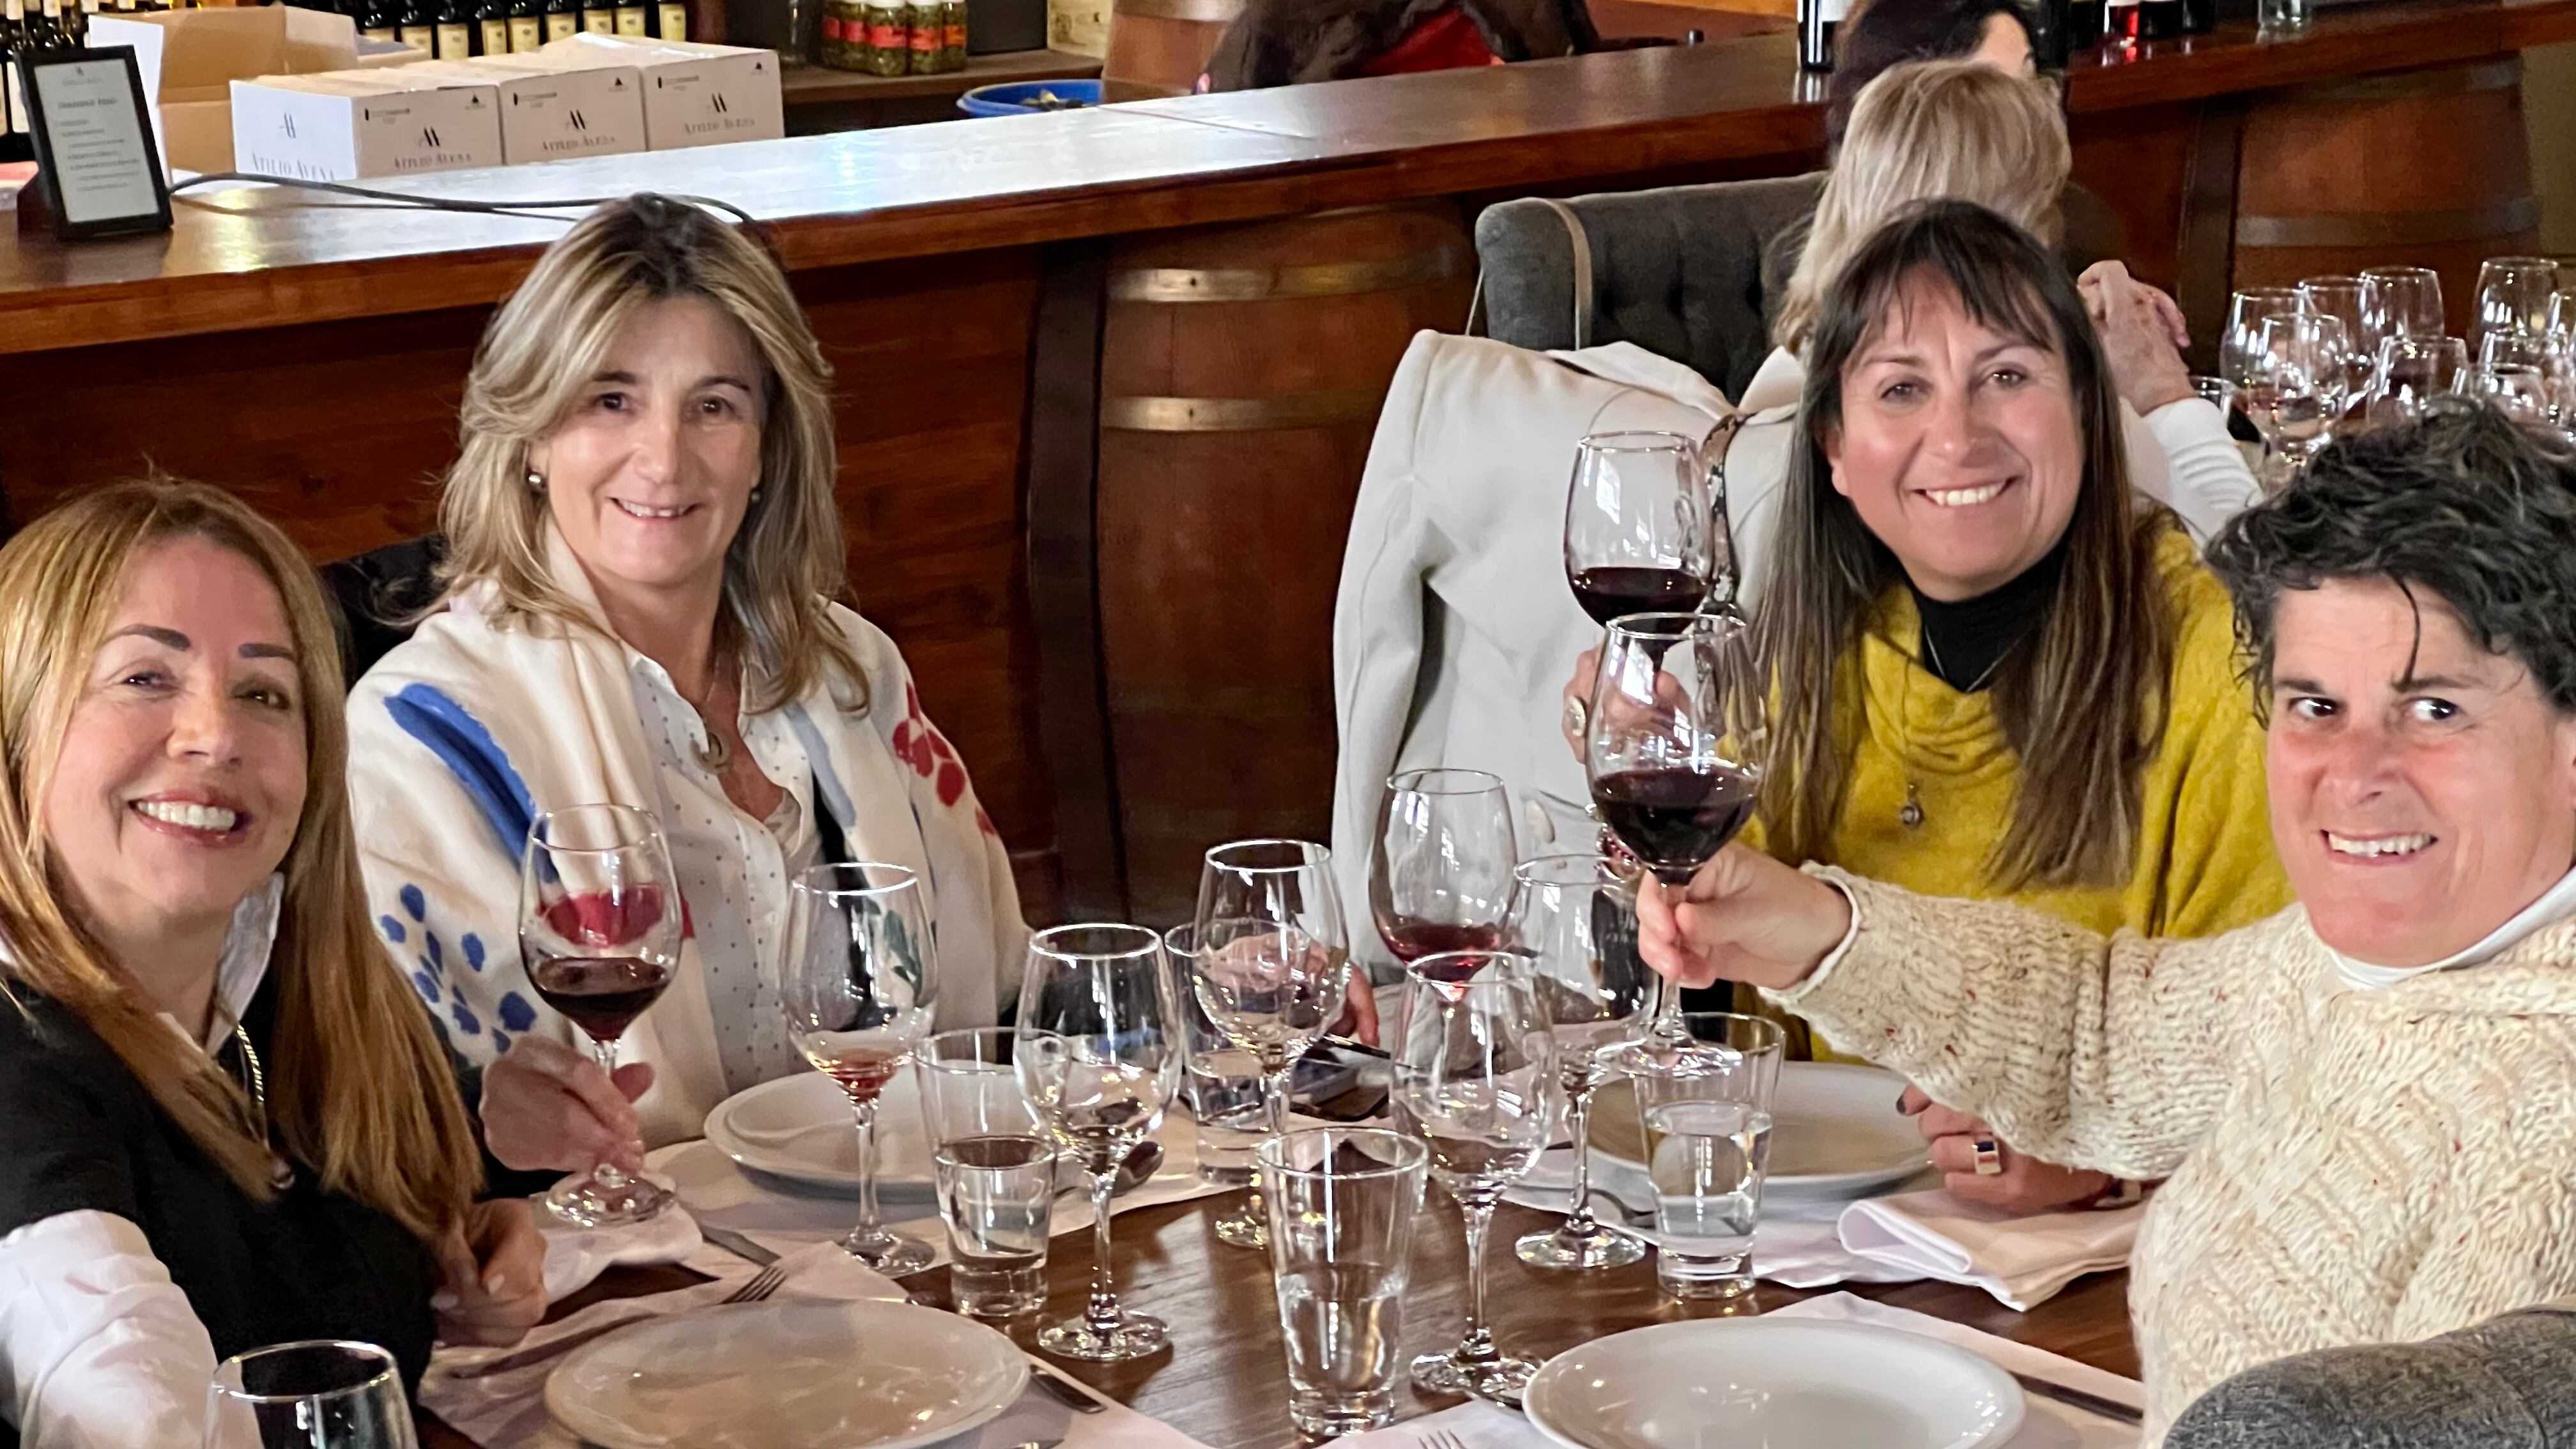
547, 1107
1743, 917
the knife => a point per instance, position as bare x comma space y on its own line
737, 1244
2112, 1409
1059, 1388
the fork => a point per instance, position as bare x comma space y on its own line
1441, 1439
762, 1285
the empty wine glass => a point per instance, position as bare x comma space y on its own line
2516, 373
856, 982
2513, 296
1271, 970
1099, 1054
2411, 372
599, 939
1640, 531
1673, 745
1440, 867
2340, 298
2300, 385
1475, 1070
2245, 313
314, 1395
2400, 302
1575, 918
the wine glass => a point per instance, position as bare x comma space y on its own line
2245, 313
2411, 372
317, 1394
1271, 970
1440, 873
2340, 298
2515, 372
1475, 1070
1640, 532
2400, 302
599, 938
1673, 747
2300, 384
1099, 1055
856, 982
2513, 296
1575, 919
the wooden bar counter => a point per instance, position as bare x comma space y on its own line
1105, 377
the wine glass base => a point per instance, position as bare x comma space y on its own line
892, 1254
1138, 1335
1569, 1249
1247, 1226
588, 1202
1499, 1377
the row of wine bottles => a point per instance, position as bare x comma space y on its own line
458, 29
2058, 28
53, 26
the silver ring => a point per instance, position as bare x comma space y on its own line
1578, 716
1989, 1156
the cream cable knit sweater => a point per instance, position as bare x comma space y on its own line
2347, 1167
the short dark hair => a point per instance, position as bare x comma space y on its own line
1891, 32
2465, 504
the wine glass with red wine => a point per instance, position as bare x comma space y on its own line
599, 937
1674, 746
1640, 533
1440, 873
856, 982
1272, 969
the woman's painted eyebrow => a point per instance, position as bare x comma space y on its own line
173, 639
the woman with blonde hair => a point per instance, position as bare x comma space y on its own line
223, 1123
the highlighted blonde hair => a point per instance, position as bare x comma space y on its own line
546, 343
359, 1089
1933, 130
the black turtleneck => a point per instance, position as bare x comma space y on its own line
1963, 641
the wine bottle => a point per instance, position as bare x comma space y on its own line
2199, 17
17, 141
2048, 21
80, 17
527, 26
599, 17
2085, 20
492, 27
1816, 22
455, 31
418, 25
671, 20
2159, 19
378, 20
563, 17
2120, 21
630, 16
46, 30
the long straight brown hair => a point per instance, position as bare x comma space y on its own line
358, 1088
2081, 699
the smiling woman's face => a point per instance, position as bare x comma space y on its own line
1959, 445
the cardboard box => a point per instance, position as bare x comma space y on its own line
694, 94
351, 124
549, 114
190, 58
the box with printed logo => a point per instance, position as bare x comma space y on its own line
549, 115
347, 125
694, 94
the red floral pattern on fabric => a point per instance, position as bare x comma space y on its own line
919, 744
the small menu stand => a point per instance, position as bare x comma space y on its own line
98, 173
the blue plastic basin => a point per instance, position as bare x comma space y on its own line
1012, 98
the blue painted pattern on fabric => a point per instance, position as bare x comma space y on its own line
470, 753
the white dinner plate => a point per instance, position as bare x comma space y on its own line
865, 1375
799, 1128
1728, 1383
1835, 1132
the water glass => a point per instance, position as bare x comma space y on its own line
1706, 1108
2410, 373
313, 1395
1575, 917
2400, 302
2514, 294
2281, 17
997, 1199
1342, 1203
1222, 1085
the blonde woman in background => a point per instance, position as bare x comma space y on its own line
223, 1122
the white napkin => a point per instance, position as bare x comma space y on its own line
2046, 1423
507, 1410
2020, 1260
575, 1255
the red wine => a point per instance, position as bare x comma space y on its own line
1675, 819
1413, 940
601, 994
1607, 593
861, 1071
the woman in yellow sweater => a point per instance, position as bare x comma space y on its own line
1998, 678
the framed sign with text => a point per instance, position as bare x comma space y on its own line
95, 159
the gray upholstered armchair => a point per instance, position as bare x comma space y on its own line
1677, 271
2507, 1383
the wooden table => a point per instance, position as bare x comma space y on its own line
1224, 1382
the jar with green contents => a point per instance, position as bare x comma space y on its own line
889, 32
845, 35
952, 35
923, 16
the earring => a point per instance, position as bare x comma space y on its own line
536, 481
755, 495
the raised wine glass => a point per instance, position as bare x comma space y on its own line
1673, 747
1272, 969
2411, 372
599, 938
1099, 1054
1640, 530
2400, 302
1574, 917
2301, 384
1475, 1078
857, 981
1440, 867
2513, 296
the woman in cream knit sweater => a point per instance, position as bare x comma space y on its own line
2366, 1103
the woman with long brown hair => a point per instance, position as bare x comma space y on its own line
223, 1123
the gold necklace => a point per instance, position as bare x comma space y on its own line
280, 1174
1910, 814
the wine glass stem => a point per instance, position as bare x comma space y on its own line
1102, 1313
1578, 1114
865, 1114
1478, 1343
1275, 1086
607, 1174
1668, 1011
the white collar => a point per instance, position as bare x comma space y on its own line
243, 965
2555, 904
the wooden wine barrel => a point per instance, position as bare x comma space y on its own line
1242, 370
2428, 168
1158, 47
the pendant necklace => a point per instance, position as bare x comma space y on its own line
1910, 814
280, 1174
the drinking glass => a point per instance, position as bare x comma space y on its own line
1222, 1086
856, 983
2282, 17
2300, 385
1706, 1108
2340, 298
1099, 1056
2245, 313
1343, 1201
2513, 296
2218, 392
599, 938
313, 1395
1474, 1071
1640, 530
2411, 372
2400, 302
1674, 744
1440, 867
1271, 969
1576, 921
996, 1171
